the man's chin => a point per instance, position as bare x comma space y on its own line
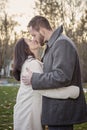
42, 44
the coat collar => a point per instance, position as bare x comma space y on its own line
30, 58
55, 35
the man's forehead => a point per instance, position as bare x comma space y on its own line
32, 30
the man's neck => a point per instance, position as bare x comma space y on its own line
48, 34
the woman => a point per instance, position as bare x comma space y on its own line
27, 110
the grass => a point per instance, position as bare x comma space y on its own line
7, 101
12, 80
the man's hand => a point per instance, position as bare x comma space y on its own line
27, 78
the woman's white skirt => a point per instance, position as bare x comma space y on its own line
27, 110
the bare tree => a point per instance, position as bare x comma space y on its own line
6, 33
81, 34
49, 9
2, 7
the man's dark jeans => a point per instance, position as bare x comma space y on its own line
68, 127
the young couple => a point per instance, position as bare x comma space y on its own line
50, 91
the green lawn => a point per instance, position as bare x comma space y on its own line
7, 101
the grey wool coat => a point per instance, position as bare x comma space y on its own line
61, 68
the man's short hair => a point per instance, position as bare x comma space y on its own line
39, 21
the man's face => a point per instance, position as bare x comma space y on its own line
38, 36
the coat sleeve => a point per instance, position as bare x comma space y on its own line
64, 59
61, 93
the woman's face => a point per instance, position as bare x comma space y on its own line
32, 44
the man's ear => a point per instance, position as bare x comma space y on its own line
42, 30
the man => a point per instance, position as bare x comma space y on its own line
61, 69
